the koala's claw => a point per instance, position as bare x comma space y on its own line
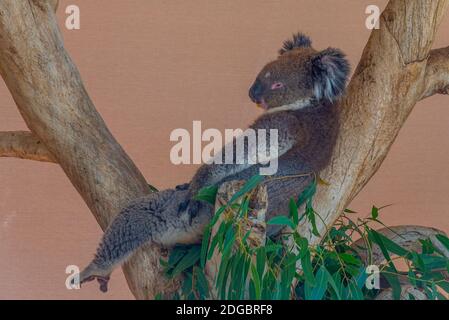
91, 273
102, 280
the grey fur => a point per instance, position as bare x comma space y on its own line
299, 40
329, 72
153, 218
306, 135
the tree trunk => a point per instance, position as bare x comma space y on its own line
51, 98
396, 70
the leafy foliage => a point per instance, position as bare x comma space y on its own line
290, 268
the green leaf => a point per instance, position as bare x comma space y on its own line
187, 284
244, 207
176, 254
310, 213
273, 248
201, 282
187, 261
393, 246
246, 269
252, 183
332, 283
256, 281
418, 261
217, 215
427, 246
443, 284
433, 262
222, 277
317, 292
228, 242
374, 212
354, 291
212, 247
288, 272
261, 260
205, 245
394, 282
281, 220
444, 240
412, 277
349, 258
235, 275
294, 212
207, 194
307, 268
386, 245
303, 245
159, 296
307, 194
245, 237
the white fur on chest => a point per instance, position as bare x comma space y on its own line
297, 105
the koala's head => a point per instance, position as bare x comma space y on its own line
300, 76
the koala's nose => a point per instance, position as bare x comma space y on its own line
255, 92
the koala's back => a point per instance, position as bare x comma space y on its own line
297, 167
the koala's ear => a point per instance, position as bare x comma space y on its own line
299, 40
330, 70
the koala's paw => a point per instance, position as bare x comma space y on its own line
91, 273
102, 281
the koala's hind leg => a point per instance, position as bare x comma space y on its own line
154, 219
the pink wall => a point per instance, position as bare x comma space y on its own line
153, 66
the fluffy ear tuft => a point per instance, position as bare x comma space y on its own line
330, 70
299, 40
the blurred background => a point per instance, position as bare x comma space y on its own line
154, 66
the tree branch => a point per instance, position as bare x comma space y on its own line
436, 79
24, 145
408, 237
405, 236
387, 83
51, 97
406, 292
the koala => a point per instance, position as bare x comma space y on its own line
299, 92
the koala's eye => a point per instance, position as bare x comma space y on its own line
277, 85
